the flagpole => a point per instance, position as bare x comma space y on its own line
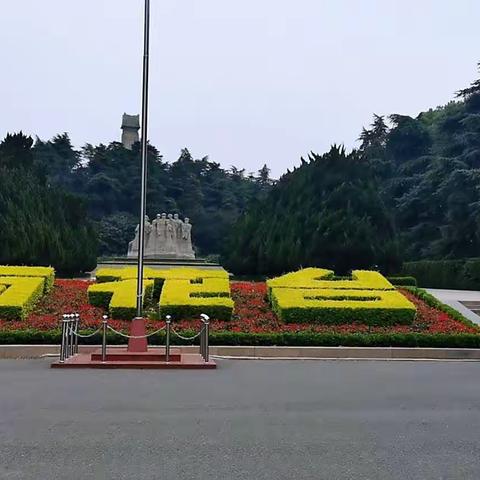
144, 141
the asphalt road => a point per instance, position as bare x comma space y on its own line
248, 420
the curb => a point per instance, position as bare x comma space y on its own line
277, 353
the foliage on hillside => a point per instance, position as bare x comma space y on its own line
413, 187
107, 179
40, 224
327, 213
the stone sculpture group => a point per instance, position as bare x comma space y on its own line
166, 237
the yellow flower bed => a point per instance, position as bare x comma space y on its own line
184, 298
47, 273
127, 273
315, 295
119, 297
319, 278
18, 296
329, 306
183, 292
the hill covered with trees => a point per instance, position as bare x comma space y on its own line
411, 191
99, 187
40, 224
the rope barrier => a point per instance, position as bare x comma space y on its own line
136, 336
72, 332
188, 338
70, 335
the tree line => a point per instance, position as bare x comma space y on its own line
65, 207
411, 191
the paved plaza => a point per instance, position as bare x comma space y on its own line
278, 420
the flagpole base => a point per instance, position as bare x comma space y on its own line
138, 329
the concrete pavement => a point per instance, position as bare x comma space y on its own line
247, 420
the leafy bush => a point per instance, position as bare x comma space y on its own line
119, 297
42, 224
189, 298
19, 299
403, 281
295, 305
47, 273
315, 295
320, 278
303, 339
183, 292
455, 274
128, 273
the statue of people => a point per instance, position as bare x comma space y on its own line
186, 239
133, 246
178, 231
153, 243
170, 235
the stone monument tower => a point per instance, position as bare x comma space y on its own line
130, 128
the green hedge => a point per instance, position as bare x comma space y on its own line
339, 316
305, 338
464, 340
403, 281
456, 274
218, 312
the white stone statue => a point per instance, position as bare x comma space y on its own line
166, 237
186, 239
134, 244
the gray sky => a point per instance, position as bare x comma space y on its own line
246, 82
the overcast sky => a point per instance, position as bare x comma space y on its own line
246, 82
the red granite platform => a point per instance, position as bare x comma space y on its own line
154, 358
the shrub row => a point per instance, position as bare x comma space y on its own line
182, 293
403, 281
319, 278
184, 299
129, 273
313, 295
19, 299
370, 307
47, 273
304, 339
119, 297
456, 274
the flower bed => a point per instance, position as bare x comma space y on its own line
253, 323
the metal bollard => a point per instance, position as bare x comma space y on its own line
77, 323
202, 341
72, 334
206, 321
104, 338
67, 336
207, 347
167, 339
63, 343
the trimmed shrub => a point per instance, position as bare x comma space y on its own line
47, 273
128, 273
119, 297
183, 292
19, 296
295, 305
317, 278
456, 274
403, 281
182, 298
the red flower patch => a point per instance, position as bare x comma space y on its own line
252, 315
